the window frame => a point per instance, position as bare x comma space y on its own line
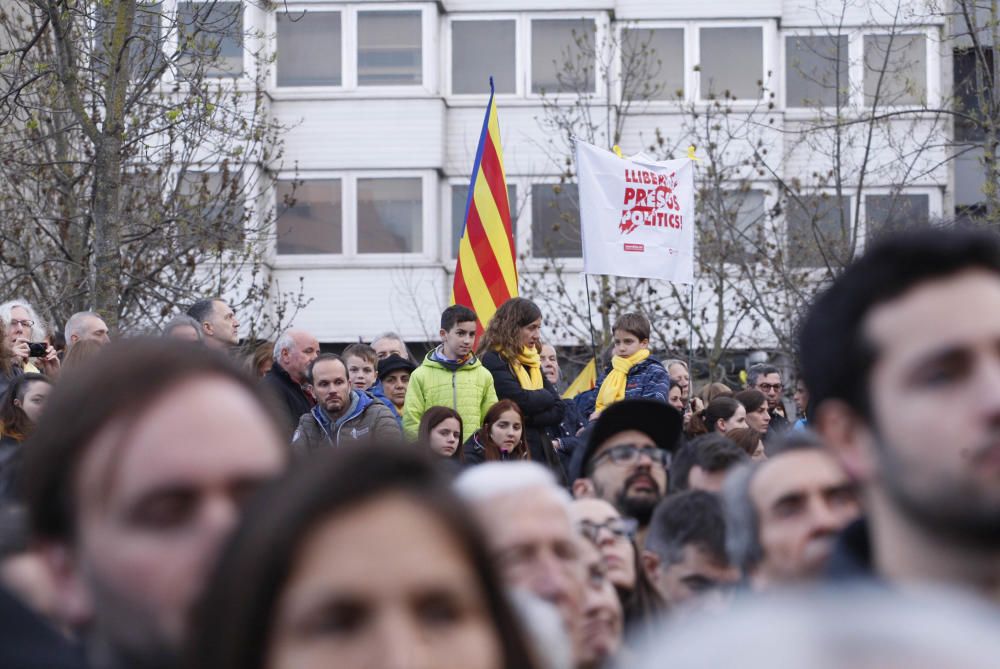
931, 58
171, 45
272, 27
447, 214
686, 67
770, 200
769, 34
935, 204
601, 24
447, 77
850, 56
850, 195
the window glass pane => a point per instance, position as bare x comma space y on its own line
653, 63
562, 55
390, 216
732, 226
819, 229
389, 48
144, 42
555, 221
480, 49
308, 48
968, 93
211, 31
459, 193
815, 69
903, 58
890, 213
211, 209
732, 61
310, 217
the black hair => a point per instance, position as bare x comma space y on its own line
835, 355
691, 518
13, 419
233, 621
455, 314
751, 399
201, 309
759, 370
721, 408
323, 357
712, 452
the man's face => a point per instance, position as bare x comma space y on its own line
803, 499
534, 545
360, 372
679, 373
801, 397
550, 363
634, 489
18, 329
627, 344
386, 346
935, 397
296, 360
223, 325
94, 329
770, 385
155, 497
603, 620
330, 386
394, 384
698, 576
458, 341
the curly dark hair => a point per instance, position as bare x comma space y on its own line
503, 329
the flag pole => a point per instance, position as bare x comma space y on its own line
590, 322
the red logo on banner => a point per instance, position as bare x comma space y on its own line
649, 201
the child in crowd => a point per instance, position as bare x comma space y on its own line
362, 361
501, 437
441, 430
633, 372
451, 376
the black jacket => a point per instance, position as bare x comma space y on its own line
29, 642
288, 395
473, 453
542, 409
851, 559
566, 431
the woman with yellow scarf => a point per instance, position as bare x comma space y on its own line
510, 349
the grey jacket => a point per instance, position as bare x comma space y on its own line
367, 419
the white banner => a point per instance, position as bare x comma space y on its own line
636, 215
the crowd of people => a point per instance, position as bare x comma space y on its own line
176, 501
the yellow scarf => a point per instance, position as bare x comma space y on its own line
528, 369
613, 388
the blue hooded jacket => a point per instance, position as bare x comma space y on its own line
648, 379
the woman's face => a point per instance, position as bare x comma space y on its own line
601, 518
738, 419
445, 437
531, 334
759, 418
506, 431
34, 399
758, 453
355, 600
676, 398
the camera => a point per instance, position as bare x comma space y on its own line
36, 350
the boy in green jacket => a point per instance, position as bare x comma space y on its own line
451, 376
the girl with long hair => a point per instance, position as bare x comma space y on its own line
501, 438
721, 415
510, 349
441, 431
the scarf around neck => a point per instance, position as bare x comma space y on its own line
613, 388
528, 369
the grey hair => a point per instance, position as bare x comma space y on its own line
74, 322
38, 330
396, 336
674, 361
180, 321
284, 343
742, 524
756, 371
499, 479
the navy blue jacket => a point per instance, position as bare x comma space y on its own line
648, 379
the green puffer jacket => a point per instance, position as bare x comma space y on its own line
466, 388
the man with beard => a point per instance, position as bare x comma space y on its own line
627, 458
783, 514
901, 355
133, 484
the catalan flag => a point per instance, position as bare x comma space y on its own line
585, 380
486, 273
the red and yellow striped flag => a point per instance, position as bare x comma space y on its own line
486, 273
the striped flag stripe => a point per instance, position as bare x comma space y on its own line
486, 258
499, 242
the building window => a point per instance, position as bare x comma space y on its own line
212, 209
480, 49
310, 217
890, 213
562, 56
389, 48
459, 193
212, 33
819, 230
904, 61
733, 223
390, 215
973, 69
653, 63
816, 70
309, 48
732, 62
555, 221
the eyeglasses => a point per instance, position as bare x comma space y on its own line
629, 454
768, 387
26, 324
620, 528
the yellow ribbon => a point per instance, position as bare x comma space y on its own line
613, 388
528, 369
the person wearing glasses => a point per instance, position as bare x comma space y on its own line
767, 379
627, 457
24, 327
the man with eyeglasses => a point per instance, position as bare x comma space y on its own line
767, 379
23, 327
627, 458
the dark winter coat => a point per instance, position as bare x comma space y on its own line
366, 420
647, 379
290, 398
474, 453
